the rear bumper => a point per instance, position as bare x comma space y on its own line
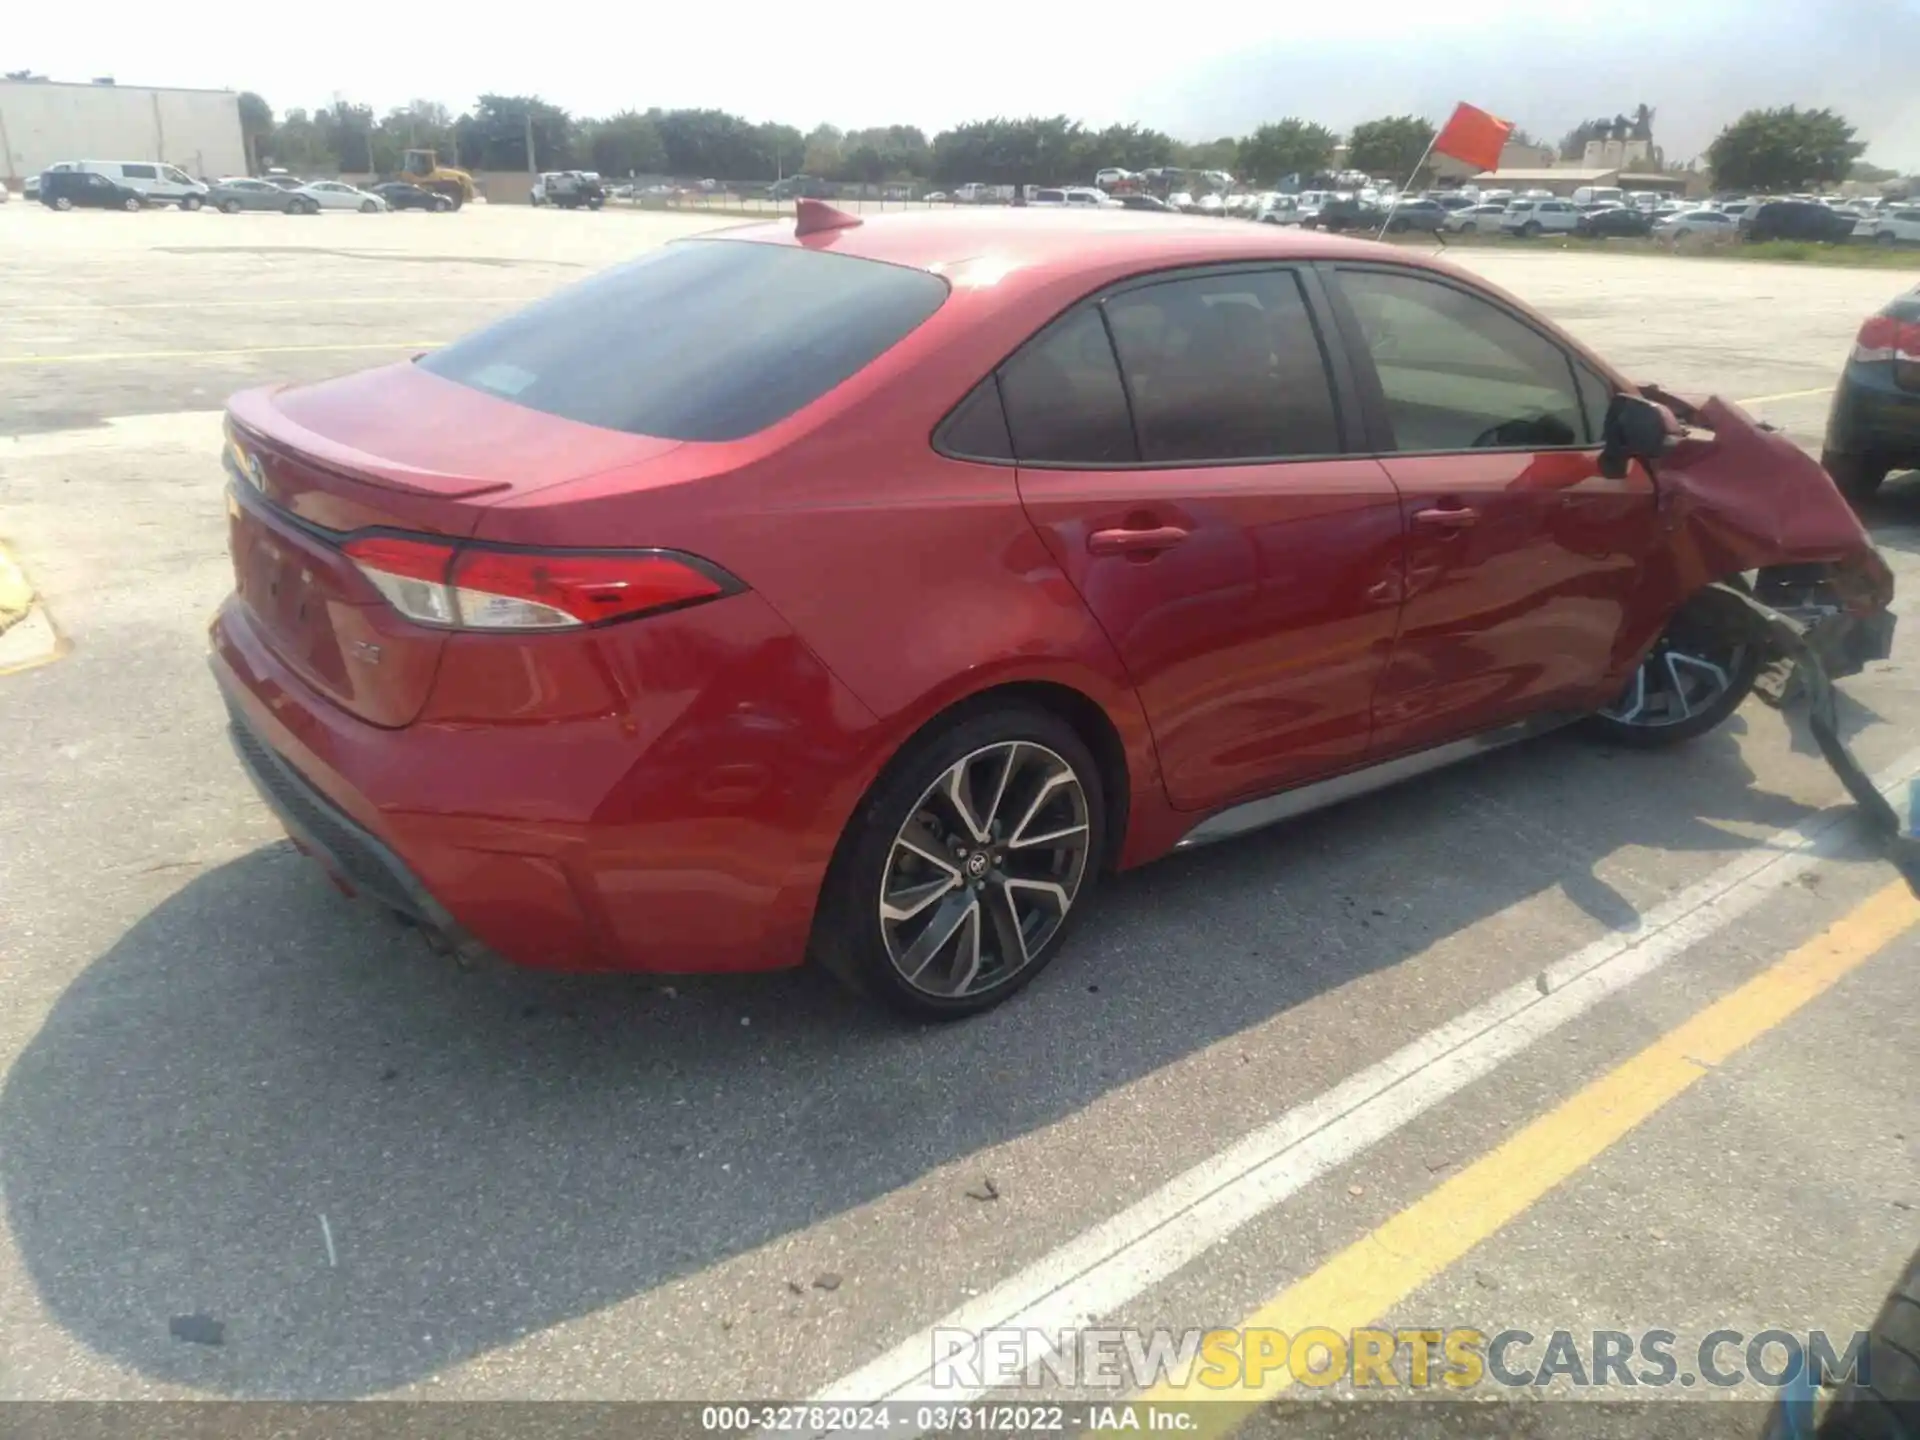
661, 830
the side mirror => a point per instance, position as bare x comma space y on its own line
1635, 429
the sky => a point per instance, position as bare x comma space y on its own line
1201, 69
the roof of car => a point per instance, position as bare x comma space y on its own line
1015, 237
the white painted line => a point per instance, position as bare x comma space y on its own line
326, 1233
1103, 1268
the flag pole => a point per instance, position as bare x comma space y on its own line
1425, 155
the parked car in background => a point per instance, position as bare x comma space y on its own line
239, 192
1452, 200
1404, 215
285, 179
597, 675
84, 190
30, 187
1683, 223
1796, 220
338, 195
1346, 212
1873, 426
1475, 219
812, 187
1596, 195
1181, 200
1112, 176
1612, 220
1144, 202
158, 183
403, 195
571, 190
1890, 227
1540, 217
1277, 209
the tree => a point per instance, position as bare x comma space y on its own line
1389, 148
1289, 147
625, 144
1221, 154
1031, 151
493, 135
712, 144
822, 155
1783, 149
783, 151
256, 126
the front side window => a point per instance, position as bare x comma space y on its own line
1457, 372
1224, 367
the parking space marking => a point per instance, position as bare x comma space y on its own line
135, 355
1108, 1265
1385, 1266
1788, 395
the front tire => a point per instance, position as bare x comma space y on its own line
1697, 674
63, 202
961, 872
1885, 237
132, 204
369, 207
1531, 229
229, 207
192, 202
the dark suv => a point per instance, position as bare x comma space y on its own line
82, 189
1797, 220
1874, 425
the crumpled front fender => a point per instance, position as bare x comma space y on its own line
1738, 496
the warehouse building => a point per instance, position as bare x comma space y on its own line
42, 121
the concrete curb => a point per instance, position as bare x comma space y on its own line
27, 636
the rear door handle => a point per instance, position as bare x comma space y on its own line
1135, 542
1447, 517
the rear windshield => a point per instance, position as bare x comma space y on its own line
700, 340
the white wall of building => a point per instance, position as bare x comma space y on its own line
41, 122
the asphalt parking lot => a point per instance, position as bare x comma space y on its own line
1388, 1064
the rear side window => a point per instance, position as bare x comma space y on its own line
1063, 398
700, 340
1224, 367
139, 172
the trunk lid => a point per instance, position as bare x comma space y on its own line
393, 448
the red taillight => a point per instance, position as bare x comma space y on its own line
521, 589
1885, 338
438, 583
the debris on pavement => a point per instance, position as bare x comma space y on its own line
985, 1190
197, 1329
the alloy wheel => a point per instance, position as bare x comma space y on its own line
1680, 678
983, 873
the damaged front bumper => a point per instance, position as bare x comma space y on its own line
1752, 515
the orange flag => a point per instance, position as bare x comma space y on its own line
1474, 136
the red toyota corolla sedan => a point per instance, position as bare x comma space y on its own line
864, 590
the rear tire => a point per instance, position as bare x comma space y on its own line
1885, 237
192, 202
229, 207
1858, 477
1530, 229
63, 202
132, 204
1887, 1408
907, 851
1693, 667
369, 207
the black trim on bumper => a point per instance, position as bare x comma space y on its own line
343, 845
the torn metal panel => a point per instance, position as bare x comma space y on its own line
1738, 496
1793, 640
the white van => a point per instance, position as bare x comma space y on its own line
1599, 195
160, 183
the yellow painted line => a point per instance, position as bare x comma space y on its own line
1788, 395
125, 355
1360, 1284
